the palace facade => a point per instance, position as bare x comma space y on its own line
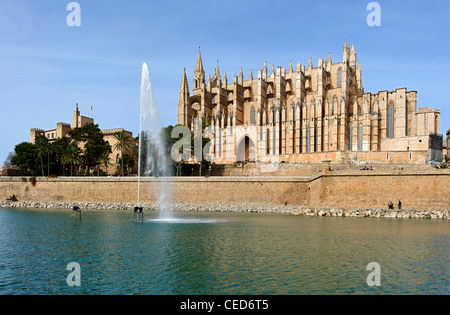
78, 121
308, 114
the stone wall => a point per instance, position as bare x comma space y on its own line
426, 189
418, 190
185, 190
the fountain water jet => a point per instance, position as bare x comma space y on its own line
155, 154
153, 145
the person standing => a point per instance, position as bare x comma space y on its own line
399, 205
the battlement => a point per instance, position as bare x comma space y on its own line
63, 124
112, 131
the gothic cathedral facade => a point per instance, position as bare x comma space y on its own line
307, 115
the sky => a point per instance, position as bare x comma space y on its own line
47, 66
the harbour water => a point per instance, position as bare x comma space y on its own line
220, 253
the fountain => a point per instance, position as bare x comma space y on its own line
151, 145
155, 163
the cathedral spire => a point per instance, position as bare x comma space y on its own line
310, 64
208, 85
184, 83
265, 70
199, 66
352, 60
241, 77
225, 80
183, 101
346, 51
217, 80
199, 73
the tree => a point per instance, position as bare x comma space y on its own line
71, 156
205, 144
94, 144
25, 157
104, 159
170, 143
127, 160
41, 148
60, 145
124, 142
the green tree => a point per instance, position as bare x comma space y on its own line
60, 145
127, 160
104, 159
42, 148
94, 144
71, 156
205, 144
170, 143
124, 143
25, 157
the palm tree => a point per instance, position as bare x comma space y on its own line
105, 160
50, 150
124, 141
41, 149
72, 155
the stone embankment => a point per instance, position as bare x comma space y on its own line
293, 210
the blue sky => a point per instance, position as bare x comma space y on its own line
46, 66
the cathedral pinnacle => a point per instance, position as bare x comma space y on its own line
199, 73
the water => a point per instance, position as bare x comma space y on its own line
220, 253
152, 146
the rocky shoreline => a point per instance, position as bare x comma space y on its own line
293, 210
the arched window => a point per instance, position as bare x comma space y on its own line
391, 120
315, 139
252, 116
350, 137
339, 78
338, 136
360, 137
333, 105
308, 140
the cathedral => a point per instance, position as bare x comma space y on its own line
308, 114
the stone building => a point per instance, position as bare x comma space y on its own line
78, 121
307, 114
446, 147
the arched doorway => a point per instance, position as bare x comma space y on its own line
246, 151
